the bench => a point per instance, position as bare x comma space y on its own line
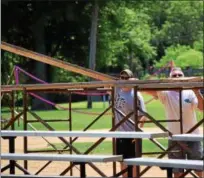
167, 163
187, 137
11, 135
77, 159
108, 134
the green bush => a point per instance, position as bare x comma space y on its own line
183, 56
191, 58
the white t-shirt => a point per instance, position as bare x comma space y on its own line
170, 100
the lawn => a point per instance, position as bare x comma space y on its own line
82, 117
106, 146
82, 120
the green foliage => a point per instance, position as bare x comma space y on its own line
175, 23
60, 75
183, 24
64, 34
183, 56
198, 45
191, 58
131, 34
172, 53
124, 36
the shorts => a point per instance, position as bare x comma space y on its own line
126, 147
196, 152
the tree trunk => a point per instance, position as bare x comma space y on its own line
93, 36
40, 67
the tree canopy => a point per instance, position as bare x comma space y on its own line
183, 56
130, 34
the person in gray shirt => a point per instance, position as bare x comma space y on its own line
124, 103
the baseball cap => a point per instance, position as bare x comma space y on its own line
127, 72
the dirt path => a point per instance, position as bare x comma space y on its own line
57, 167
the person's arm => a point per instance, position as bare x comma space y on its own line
200, 100
143, 119
143, 108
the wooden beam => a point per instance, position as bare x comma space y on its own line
171, 85
55, 62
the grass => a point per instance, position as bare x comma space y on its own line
82, 120
106, 146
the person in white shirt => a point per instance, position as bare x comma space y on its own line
170, 100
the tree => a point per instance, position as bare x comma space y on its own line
93, 36
175, 22
183, 56
124, 36
51, 28
191, 58
183, 24
198, 45
130, 34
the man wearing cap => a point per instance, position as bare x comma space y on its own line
170, 100
124, 103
